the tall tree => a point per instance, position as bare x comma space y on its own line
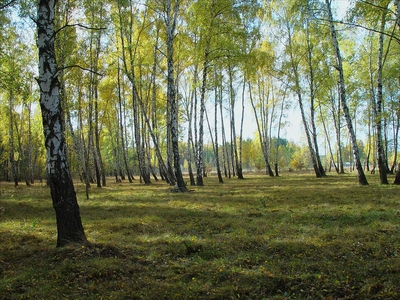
171, 15
378, 107
362, 179
69, 224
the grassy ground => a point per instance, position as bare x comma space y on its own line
292, 237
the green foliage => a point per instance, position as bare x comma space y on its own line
292, 237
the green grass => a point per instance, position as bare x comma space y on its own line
292, 237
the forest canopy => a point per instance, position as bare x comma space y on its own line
152, 88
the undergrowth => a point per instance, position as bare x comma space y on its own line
292, 237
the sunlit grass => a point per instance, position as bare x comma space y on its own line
292, 237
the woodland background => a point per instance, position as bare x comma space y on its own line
236, 65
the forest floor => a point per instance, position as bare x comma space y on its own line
290, 237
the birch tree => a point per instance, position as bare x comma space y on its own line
69, 224
362, 180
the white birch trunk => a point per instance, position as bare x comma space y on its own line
362, 180
69, 225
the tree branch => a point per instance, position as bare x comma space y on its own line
79, 25
377, 6
80, 67
363, 27
3, 6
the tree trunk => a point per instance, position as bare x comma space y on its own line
298, 92
378, 111
279, 132
338, 126
240, 164
328, 139
30, 145
199, 150
261, 135
321, 171
396, 126
171, 24
14, 173
397, 179
234, 148
121, 126
143, 168
362, 180
219, 174
69, 224
225, 158
190, 146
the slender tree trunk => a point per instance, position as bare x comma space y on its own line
240, 165
219, 174
234, 148
261, 135
396, 126
190, 140
301, 106
328, 139
225, 158
362, 180
279, 132
97, 142
379, 116
95, 83
338, 131
69, 224
14, 173
199, 150
171, 18
121, 127
321, 171
30, 145
397, 3
143, 168
397, 178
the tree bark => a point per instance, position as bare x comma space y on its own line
225, 157
295, 71
362, 180
14, 173
171, 24
378, 111
69, 224
199, 150
397, 178
234, 148
219, 174
262, 136
321, 171
121, 126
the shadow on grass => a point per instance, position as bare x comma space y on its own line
253, 239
